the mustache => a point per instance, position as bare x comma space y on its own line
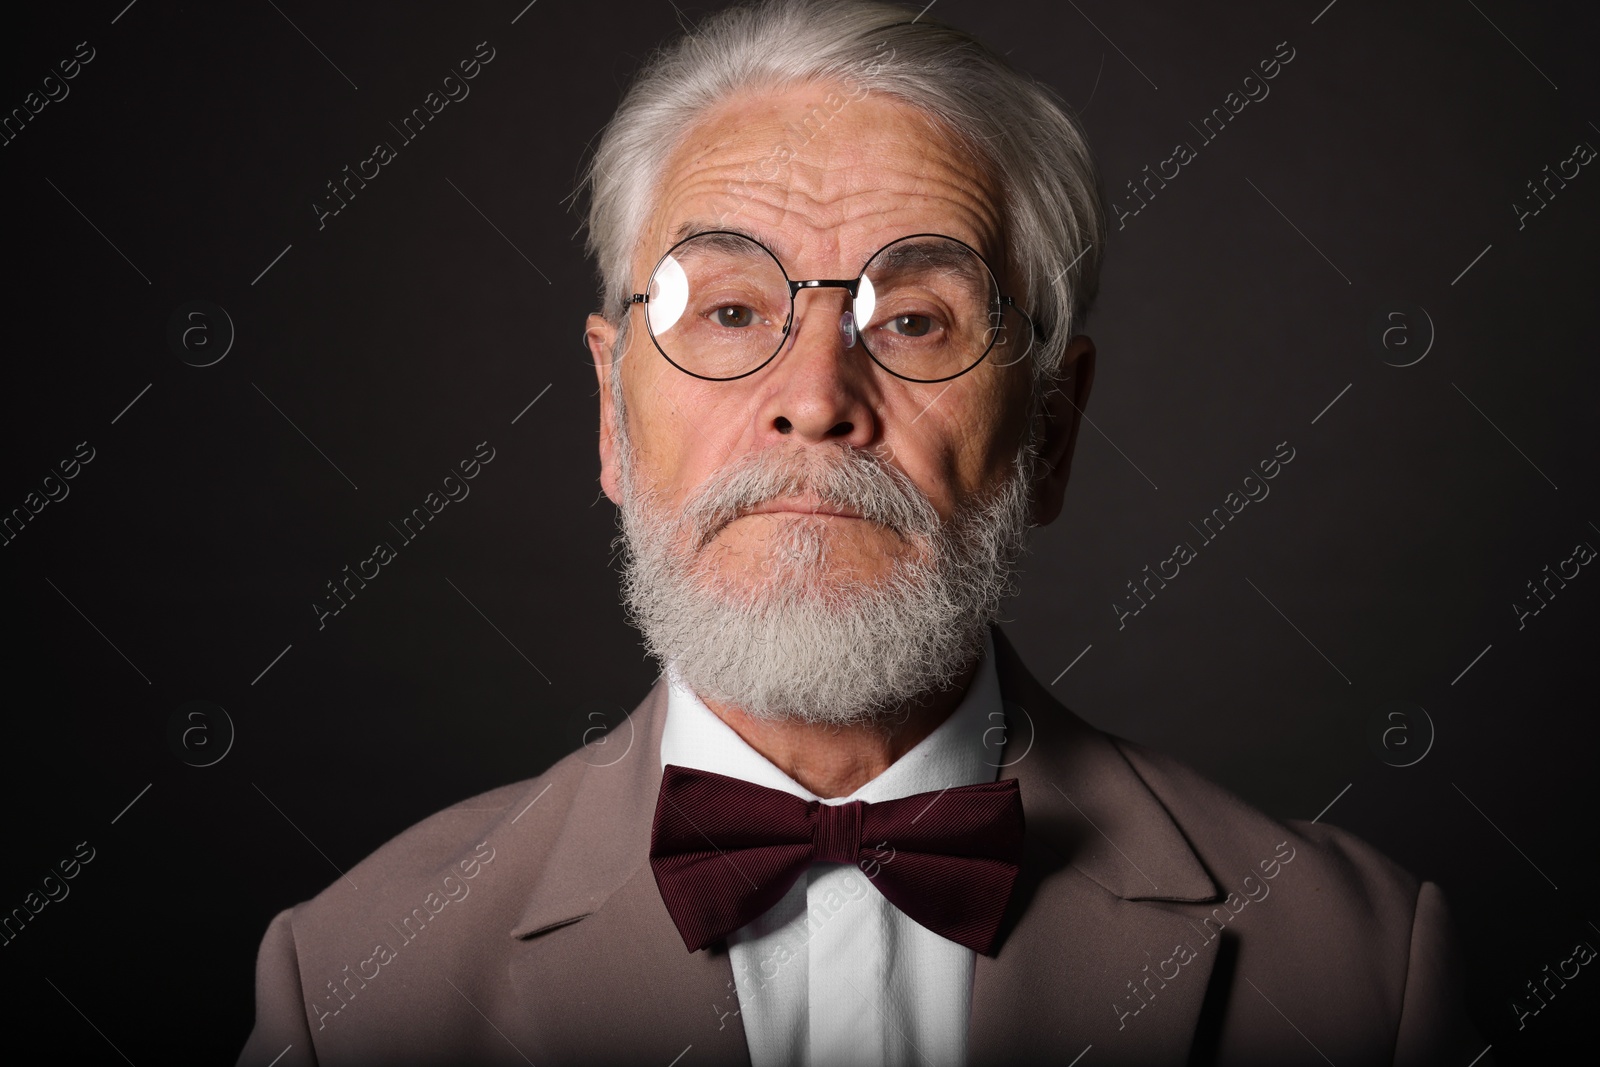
845, 477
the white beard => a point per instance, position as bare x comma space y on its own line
795, 643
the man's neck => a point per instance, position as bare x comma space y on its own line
835, 761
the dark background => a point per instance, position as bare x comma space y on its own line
380, 350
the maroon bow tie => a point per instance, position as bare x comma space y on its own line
725, 850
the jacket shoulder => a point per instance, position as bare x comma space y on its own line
1344, 937
441, 896
440, 845
481, 846
1344, 878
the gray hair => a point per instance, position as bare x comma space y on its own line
1053, 217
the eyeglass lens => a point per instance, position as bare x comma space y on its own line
927, 308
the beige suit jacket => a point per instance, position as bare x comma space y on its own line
1158, 920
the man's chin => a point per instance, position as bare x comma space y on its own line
774, 583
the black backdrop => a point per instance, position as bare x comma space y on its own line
1344, 268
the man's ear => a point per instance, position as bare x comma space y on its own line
1063, 411
600, 336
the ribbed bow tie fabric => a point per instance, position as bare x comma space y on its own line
725, 850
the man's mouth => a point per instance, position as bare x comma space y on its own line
801, 506
795, 506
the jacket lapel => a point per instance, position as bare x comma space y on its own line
1089, 956
596, 955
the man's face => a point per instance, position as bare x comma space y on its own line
874, 172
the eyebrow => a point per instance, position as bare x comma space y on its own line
695, 227
732, 241
928, 252
906, 251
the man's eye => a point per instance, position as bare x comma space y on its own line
734, 315
911, 325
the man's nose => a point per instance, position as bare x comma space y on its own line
824, 387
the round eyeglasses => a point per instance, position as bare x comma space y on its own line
925, 307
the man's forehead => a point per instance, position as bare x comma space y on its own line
876, 169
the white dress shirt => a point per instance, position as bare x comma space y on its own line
834, 975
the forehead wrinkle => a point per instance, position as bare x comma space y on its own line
842, 195
710, 178
769, 212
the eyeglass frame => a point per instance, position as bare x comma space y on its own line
849, 285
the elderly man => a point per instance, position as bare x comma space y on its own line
845, 253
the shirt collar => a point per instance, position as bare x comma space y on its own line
954, 754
